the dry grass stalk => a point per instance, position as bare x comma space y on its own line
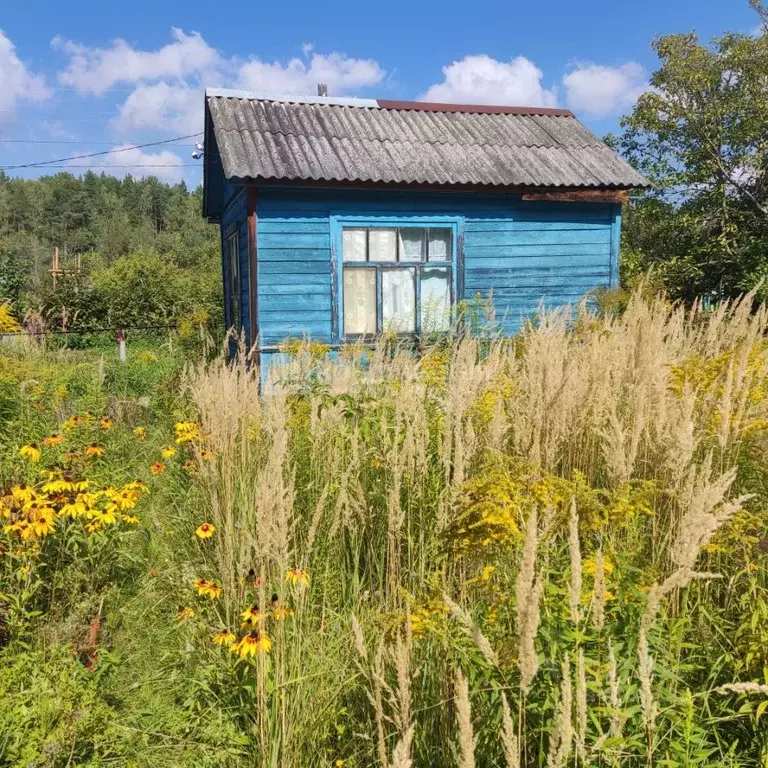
509, 736
616, 719
742, 688
473, 630
528, 590
581, 707
575, 583
561, 737
467, 741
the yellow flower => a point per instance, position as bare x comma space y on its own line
23, 493
52, 441
43, 525
205, 531
140, 432
297, 577
157, 468
105, 423
223, 638
252, 616
104, 516
251, 644
130, 519
186, 431
185, 612
135, 485
94, 450
209, 589
57, 486
72, 422
75, 508
205, 455
30, 452
168, 453
93, 526
190, 468
281, 612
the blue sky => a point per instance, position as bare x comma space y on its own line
93, 76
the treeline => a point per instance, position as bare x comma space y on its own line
131, 251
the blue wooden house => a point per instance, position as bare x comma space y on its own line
341, 218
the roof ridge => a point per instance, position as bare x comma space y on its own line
438, 142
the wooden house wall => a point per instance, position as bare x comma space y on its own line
235, 218
522, 252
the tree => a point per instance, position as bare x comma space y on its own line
701, 135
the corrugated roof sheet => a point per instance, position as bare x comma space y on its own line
362, 141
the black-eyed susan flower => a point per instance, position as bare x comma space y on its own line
205, 530
186, 431
30, 452
106, 516
281, 612
223, 638
43, 524
168, 452
72, 422
93, 450
190, 467
157, 468
205, 455
105, 423
130, 519
253, 643
297, 577
185, 612
93, 526
139, 432
209, 589
52, 441
23, 493
57, 485
74, 507
252, 617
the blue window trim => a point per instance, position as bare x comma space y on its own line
339, 221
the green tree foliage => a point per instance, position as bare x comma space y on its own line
147, 256
700, 136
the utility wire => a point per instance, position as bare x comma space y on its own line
97, 154
71, 141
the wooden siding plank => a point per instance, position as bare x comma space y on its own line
291, 254
549, 237
295, 241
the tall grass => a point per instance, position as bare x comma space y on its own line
545, 550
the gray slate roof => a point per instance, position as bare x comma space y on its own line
363, 140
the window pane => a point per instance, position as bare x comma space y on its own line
359, 301
440, 244
354, 244
382, 244
398, 300
435, 299
234, 281
413, 244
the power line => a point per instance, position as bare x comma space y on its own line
97, 154
142, 165
72, 141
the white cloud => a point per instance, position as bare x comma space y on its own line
166, 165
16, 81
481, 79
177, 108
342, 75
598, 91
95, 70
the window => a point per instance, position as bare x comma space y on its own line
233, 288
396, 279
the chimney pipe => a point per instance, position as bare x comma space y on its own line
322, 89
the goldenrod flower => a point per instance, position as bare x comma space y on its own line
157, 468
168, 453
93, 450
205, 531
185, 612
209, 589
186, 431
251, 644
297, 577
223, 638
105, 423
252, 616
52, 441
30, 452
140, 432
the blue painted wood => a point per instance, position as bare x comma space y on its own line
520, 252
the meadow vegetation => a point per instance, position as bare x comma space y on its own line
546, 550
